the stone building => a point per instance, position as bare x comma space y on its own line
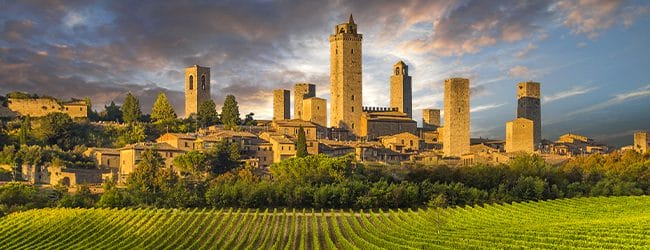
38, 107
402, 142
197, 88
400, 89
430, 119
381, 121
345, 77
529, 107
641, 141
180, 141
519, 136
281, 104
130, 156
301, 91
315, 110
455, 135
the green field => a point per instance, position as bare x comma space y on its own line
609, 223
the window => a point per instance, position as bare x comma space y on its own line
353, 109
353, 125
81, 109
191, 82
397, 71
352, 51
203, 82
108, 162
353, 97
186, 144
66, 108
411, 142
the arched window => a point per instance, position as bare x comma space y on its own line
352, 51
342, 30
191, 82
353, 109
203, 82
397, 71
353, 97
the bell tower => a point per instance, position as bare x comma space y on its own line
197, 88
400, 89
345, 77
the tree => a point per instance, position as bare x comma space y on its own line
230, 112
223, 157
301, 143
194, 162
131, 109
207, 115
93, 116
112, 113
25, 129
143, 181
133, 133
162, 110
249, 120
57, 128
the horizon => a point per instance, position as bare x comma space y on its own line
589, 57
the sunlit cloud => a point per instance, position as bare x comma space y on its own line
574, 91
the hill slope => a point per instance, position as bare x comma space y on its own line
615, 222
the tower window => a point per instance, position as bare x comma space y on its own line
352, 51
353, 97
191, 82
397, 71
203, 82
352, 109
353, 125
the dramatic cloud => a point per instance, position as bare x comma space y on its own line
485, 107
575, 91
617, 99
529, 48
520, 72
592, 16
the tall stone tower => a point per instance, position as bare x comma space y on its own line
641, 141
301, 91
281, 107
519, 136
197, 88
345, 77
455, 139
430, 118
400, 89
529, 107
314, 109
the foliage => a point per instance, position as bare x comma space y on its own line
131, 109
25, 131
18, 196
111, 113
223, 157
92, 114
313, 169
301, 143
249, 120
162, 111
194, 163
132, 133
83, 198
230, 113
207, 114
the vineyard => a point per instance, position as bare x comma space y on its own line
610, 223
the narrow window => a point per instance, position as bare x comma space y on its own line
397, 71
353, 97
203, 82
353, 109
352, 50
191, 82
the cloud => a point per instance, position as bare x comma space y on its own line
591, 17
575, 91
485, 107
520, 72
617, 99
529, 48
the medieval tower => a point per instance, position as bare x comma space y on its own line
301, 91
529, 107
281, 107
455, 138
641, 141
400, 89
197, 88
345, 77
430, 118
519, 136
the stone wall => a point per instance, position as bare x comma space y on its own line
529, 107
641, 142
281, 104
519, 136
456, 117
430, 118
315, 110
197, 88
301, 91
43, 106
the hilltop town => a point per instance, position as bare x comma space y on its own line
382, 135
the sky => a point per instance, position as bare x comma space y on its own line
590, 56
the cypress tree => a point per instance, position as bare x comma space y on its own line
131, 109
230, 112
301, 143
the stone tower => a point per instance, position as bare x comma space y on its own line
315, 110
301, 91
641, 141
519, 136
455, 139
400, 89
529, 107
281, 107
197, 88
345, 77
430, 118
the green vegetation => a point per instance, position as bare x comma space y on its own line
207, 115
230, 112
162, 111
301, 143
131, 109
605, 223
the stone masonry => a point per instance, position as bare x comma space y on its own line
430, 118
641, 141
400, 89
197, 88
300, 92
281, 105
529, 107
519, 136
315, 110
345, 77
456, 100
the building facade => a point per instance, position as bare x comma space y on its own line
301, 91
430, 119
315, 110
345, 77
281, 104
641, 141
197, 88
456, 130
400, 89
519, 136
529, 107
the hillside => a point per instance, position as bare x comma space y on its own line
613, 222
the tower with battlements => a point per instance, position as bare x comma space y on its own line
400, 89
345, 77
455, 138
281, 107
529, 107
197, 88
